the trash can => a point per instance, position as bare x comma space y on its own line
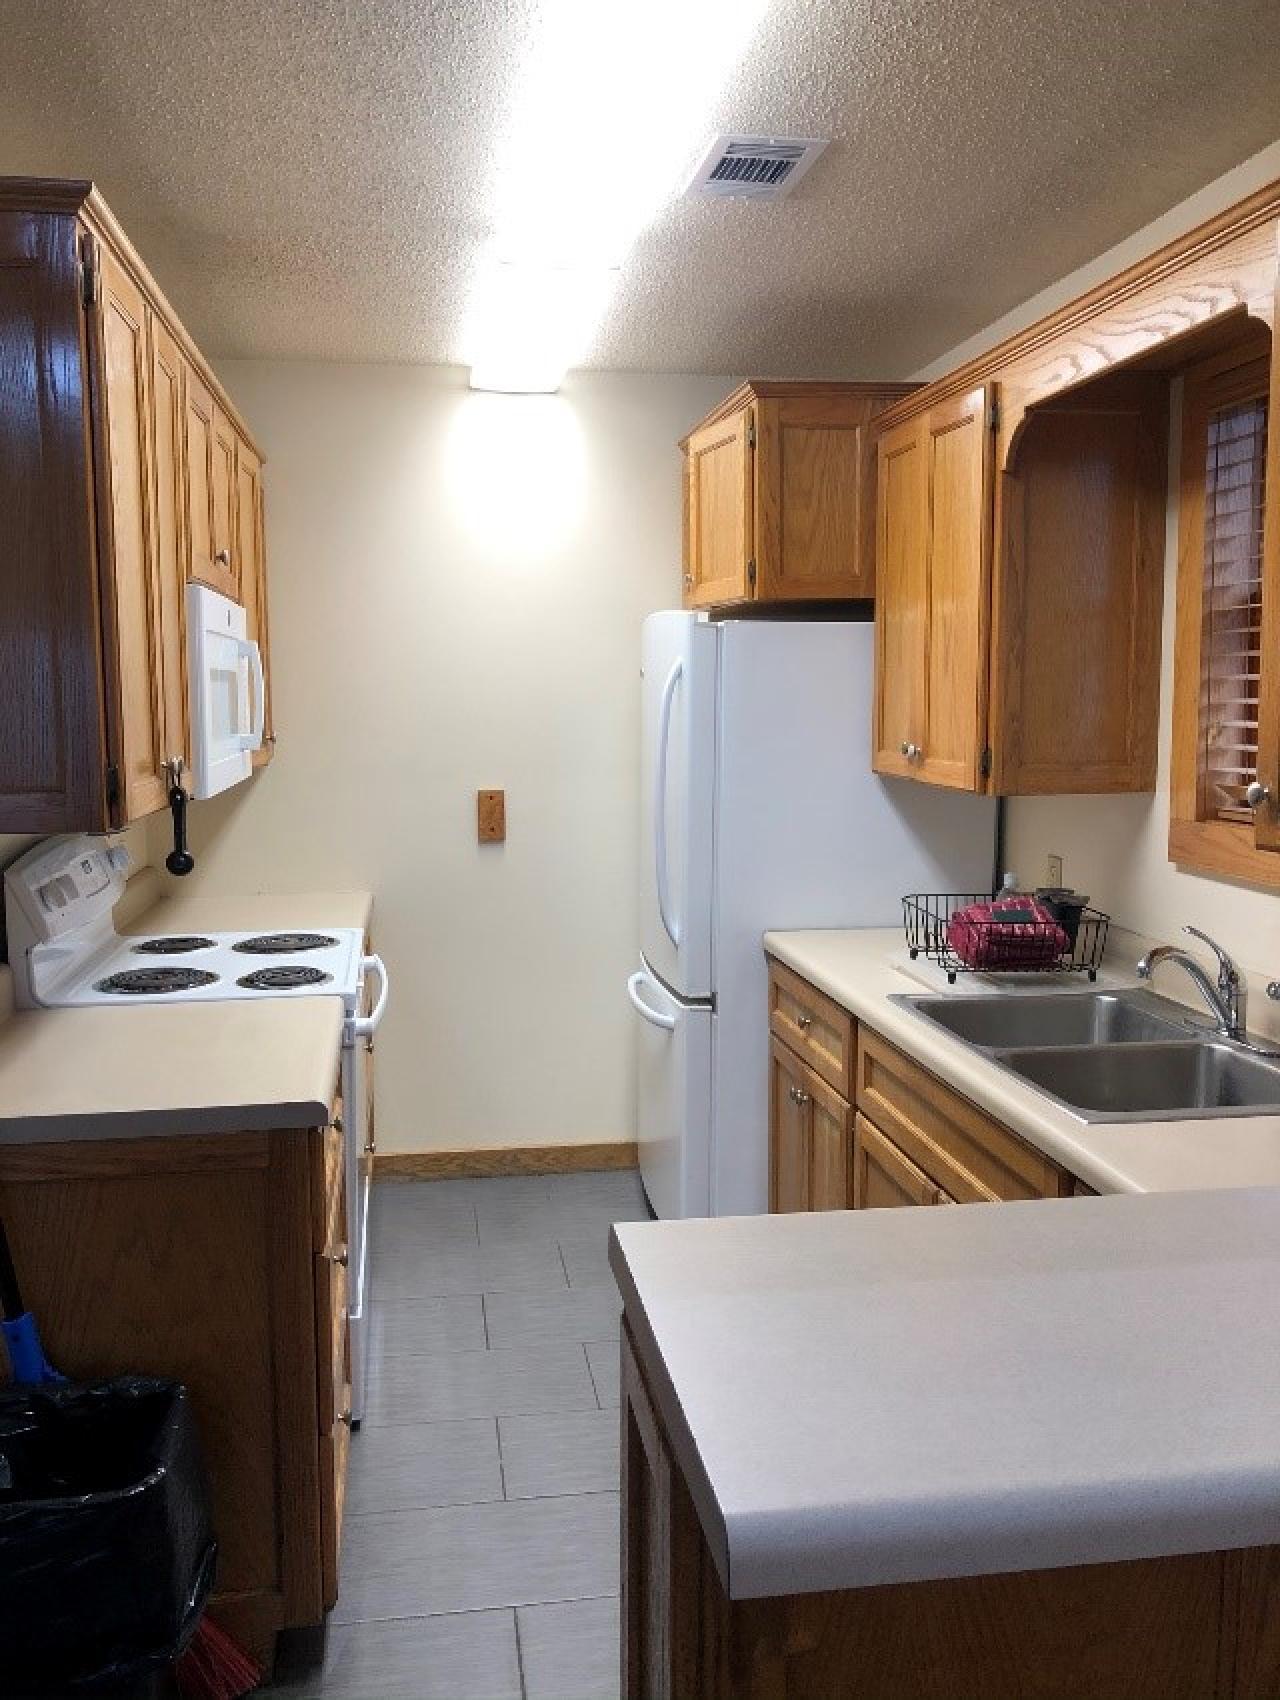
107, 1551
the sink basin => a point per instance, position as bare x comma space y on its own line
1152, 1082
1067, 1018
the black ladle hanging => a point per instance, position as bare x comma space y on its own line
179, 860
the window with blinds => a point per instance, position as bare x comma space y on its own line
1230, 652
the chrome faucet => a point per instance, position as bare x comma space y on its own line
1226, 1000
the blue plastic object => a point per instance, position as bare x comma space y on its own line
27, 1361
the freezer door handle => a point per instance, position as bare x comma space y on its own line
669, 921
654, 1017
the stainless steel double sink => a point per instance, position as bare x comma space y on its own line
1110, 1056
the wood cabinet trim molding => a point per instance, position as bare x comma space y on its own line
1236, 252
761, 389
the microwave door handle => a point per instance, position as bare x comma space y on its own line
365, 1026
253, 655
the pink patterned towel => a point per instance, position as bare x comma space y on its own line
1009, 932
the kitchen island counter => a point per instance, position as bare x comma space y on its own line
888, 1396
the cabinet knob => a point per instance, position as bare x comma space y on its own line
337, 1124
346, 1417
913, 752
688, 581
341, 1256
804, 1022
802, 1097
1257, 793
223, 557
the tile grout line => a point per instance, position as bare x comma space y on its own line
524, 1687
591, 1376
502, 1469
484, 1318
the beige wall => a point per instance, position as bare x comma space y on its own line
1116, 848
457, 584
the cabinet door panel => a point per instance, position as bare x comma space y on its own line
812, 475
52, 754
830, 1150
250, 553
789, 1141
132, 590
883, 1176
959, 454
198, 472
226, 563
719, 512
170, 543
901, 596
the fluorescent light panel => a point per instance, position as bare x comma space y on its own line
612, 104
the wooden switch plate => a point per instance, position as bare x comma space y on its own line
491, 816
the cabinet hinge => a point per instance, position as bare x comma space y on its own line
993, 414
88, 272
113, 787
751, 573
984, 762
751, 433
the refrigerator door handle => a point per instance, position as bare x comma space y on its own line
654, 1017
669, 921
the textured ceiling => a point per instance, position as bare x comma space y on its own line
310, 178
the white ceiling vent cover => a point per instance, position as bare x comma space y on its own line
759, 168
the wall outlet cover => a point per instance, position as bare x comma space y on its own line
1054, 866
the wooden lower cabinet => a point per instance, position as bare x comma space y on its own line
218, 1260
1190, 1627
915, 1140
811, 1138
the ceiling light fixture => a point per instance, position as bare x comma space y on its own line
609, 110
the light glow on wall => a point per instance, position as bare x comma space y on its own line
516, 475
610, 111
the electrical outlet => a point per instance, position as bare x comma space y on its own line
1054, 866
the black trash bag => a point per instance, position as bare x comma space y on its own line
106, 1539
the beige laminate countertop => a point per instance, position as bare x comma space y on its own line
197, 1068
860, 969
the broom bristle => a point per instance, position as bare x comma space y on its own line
214, 1668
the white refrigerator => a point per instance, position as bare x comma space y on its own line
759, 811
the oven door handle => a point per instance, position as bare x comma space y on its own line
365, 1026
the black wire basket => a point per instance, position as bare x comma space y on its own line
1072, 942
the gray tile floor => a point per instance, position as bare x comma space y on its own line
480, 1554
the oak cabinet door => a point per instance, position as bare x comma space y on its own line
249, 551
226, 564
168, 503
830, 1150
814, 479
958, 447
883, 1176
902, 497
198, 475
134, 642
719, 496
789, 1137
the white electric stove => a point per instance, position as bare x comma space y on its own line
64, 951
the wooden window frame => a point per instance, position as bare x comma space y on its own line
1198, 842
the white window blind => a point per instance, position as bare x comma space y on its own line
1231, 652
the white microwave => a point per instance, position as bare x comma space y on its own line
227, 690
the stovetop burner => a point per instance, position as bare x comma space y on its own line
177, 945
284, 978
138, 981
283, 944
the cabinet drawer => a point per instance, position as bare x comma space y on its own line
818, 1030
973, 1158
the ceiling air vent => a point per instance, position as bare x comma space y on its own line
758, 168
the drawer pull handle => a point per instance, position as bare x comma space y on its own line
341, 1256
804, 1022
346, 1417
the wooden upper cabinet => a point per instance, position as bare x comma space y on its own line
135, 647
119, 457
933, 540
249, 552
169, 528
780, 495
